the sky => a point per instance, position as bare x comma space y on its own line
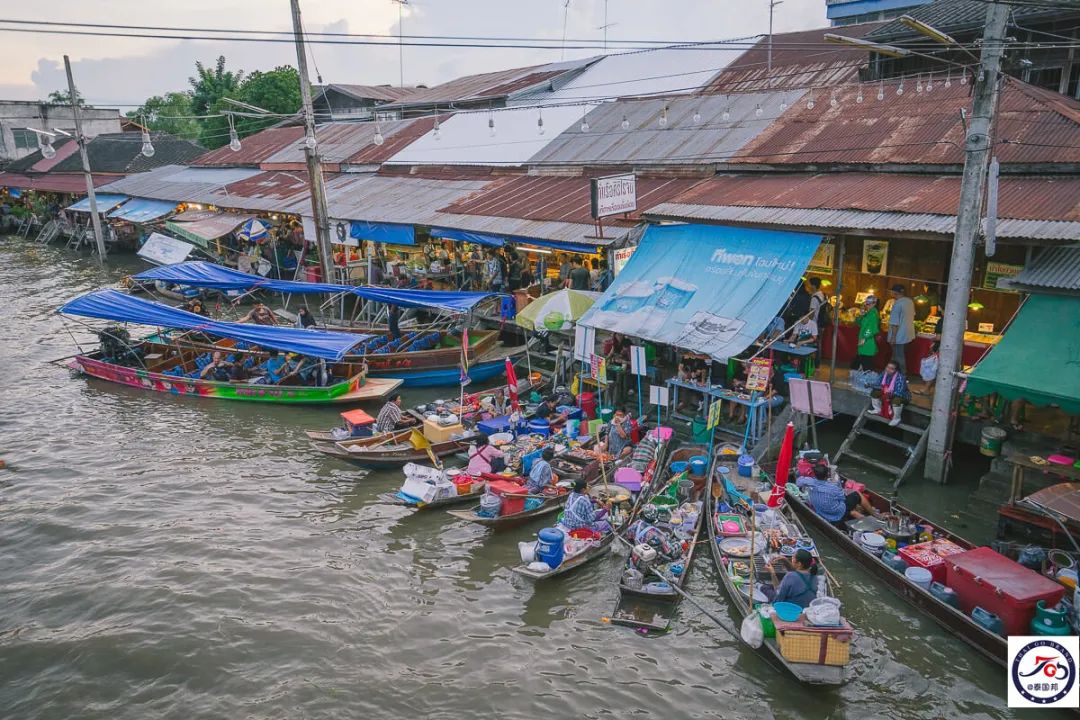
116, 72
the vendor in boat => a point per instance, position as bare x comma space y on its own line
580, 512
540, 475
218, 368
800, 583
304, 319
390, 415
618, 442
393, 320
547, 410
484, 457
830, 501
195, 305
260, 315
646, 531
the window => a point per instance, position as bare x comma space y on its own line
24, 139
1047, 77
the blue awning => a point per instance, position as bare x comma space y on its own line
142, 210
198, 273
471, 237
442, 300
383, 232
707, 288
120, 307
105, 203
556, 245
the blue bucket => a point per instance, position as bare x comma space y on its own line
678, 467
699, 464
549, 548
746, 465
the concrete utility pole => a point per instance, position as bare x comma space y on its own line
94, 219
977, 145
772, 7
311, 152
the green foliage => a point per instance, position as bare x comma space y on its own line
209, 86
277, 91
170, 113
63, 97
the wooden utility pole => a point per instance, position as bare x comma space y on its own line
311, 152
977, 146
81, 140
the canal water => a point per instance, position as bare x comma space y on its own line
180, 558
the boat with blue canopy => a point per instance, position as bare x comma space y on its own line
224, 360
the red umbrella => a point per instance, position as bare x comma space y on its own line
512, 383
783, 467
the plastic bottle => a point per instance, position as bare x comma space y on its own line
890, 544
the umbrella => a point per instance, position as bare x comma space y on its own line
253, 231
556, 311
783, 467
512, 385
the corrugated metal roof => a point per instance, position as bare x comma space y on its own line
858, 220
254, 149
916, 128
952, 16
492, 85
339, 142
1053, 269
711, 140
465, 138
383, 93
799, 60
54, 182
63, 152
186, 184
519, 227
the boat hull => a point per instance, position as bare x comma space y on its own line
440, 377
551, 505
388, 458
568, 565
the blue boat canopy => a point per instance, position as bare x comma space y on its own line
142, 210
198, 273
105, 203
120, 307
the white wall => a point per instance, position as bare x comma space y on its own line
42, 116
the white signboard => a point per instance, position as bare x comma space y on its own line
339, 231
805, 391
637, 360
620, 257
584, 343
614, 195
658, 395
164, 250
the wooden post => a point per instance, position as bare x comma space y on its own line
836, 308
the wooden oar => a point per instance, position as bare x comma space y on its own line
671, 581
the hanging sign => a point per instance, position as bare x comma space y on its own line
758, 374
714, 415
584, 343
637, 360
822, 262
164, 250
613, 195
658, 395
620, 257
998, 271
812, 397
598, 369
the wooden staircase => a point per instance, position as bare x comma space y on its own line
871, 426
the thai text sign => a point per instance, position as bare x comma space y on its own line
613, 195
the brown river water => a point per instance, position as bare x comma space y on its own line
182, 558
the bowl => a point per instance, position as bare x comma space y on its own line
788, 612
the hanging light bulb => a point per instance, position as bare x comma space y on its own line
881, 90
727, 114
697, 116
783, 105
625, 123
810, 102
758, 111
310, 143
436, 131
833, 102
963, 78
147, 146
918, 85
491, 125
378, 139
859, 97
948, 79
234, 141
662, 122
930, 84
584, 122
47, 150
900, 87
539, 122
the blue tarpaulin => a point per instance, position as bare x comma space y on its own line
441, 299
471, 237
556, 245
706, 288
141, 210
120, 307
383, 232
105, 203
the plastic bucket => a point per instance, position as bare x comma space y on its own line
587, 403
920, 576
549, 547
699, 430
990, 441
540, 427
678, 467
746, 465
699, 464
606, 414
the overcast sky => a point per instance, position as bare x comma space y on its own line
113, 71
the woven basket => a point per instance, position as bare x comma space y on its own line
812, 647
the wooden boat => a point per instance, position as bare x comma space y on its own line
989, 644
399, 498
569, 564
550, 504
809, 673
387, 449
357, 424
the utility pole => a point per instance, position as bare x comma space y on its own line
311, 152
977, 146
772, 7
401, 40
94, 219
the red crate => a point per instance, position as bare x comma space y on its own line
984, 578
930, 555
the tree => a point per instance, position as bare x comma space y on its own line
170, 113
277, 91
63, 97
209, 86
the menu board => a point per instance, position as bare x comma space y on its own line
757, 375
997, 271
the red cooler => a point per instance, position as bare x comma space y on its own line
930, 555
587, 402
505, 489
984, 578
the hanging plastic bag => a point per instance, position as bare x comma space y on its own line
752, 634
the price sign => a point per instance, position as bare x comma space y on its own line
658, 395
758, 374
714, 415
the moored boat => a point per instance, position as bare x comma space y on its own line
540, 506
387, 449
427, 488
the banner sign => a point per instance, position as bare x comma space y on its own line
584, 343
706, 288
998, 271
823, 259
620, 257
613, 195
805, 391
598, 369
758, 374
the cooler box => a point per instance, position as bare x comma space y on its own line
587, 401
572, 413
504, 489
930, 555
437, 433
494, 425
984, 578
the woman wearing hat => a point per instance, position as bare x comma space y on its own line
869, 327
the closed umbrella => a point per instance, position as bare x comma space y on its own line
512, 385
783, 467
556, 311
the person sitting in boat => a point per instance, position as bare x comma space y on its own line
304, 318
390, 415
618, 442
547, 411
484, 457
800, 583
581, 513
540, 475
274, 368
646, 531
498, 402
830, 501
218, 368
195, 305
260, 315
889, 399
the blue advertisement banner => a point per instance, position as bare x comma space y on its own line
707, 288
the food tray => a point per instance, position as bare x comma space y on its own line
740, 546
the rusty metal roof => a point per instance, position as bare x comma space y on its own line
54, 182
381, 93
799, 60
188, 184
254, 149
1034, 126
1053, 269
339, 142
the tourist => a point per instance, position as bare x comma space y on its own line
901, 326
540, 475
393, 320
260, 315
805, 332
604, 278
564, 270
800, 583
798, 305
304, 319
869, 327
817, 300
390, 415
580, 513
275, 368
893, 394
829, 500
218, 368
578, 278
484, 457
515, 267
618, 443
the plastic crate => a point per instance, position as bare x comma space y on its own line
817, 648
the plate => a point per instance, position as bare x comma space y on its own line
740, 546
499, 439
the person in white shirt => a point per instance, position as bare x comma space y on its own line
901, 325
804, 333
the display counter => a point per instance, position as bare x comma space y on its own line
975, 346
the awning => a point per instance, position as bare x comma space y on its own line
209, 226
383, 232
1038, 359
198, 273
439, 299
141, 210
117, 306
470, 237
558, 245
105, 203
706, 288
164, 250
